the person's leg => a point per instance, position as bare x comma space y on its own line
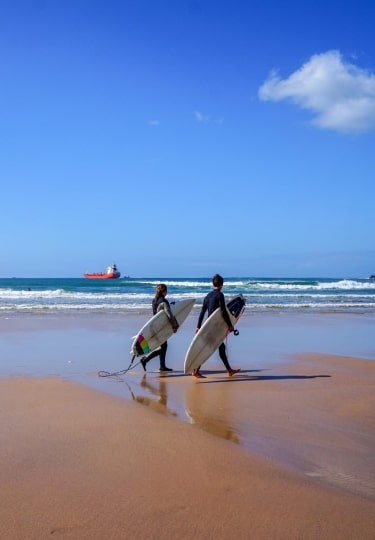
224, 358
149, 357
163, 354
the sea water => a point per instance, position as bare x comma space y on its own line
263, 295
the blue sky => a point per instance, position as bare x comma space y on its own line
184, 138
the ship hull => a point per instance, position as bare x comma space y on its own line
102, 275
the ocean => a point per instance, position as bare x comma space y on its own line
263, 295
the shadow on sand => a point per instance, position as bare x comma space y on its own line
252, 375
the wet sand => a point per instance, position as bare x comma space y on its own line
285, 449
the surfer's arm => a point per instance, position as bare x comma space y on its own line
201, 316
225, 313
172, 319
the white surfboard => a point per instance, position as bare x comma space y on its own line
212, 333
158, 329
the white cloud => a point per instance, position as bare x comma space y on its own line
153, 123
340, 94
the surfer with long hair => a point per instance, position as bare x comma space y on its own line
161, 303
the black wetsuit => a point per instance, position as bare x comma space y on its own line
215, 299
162, 303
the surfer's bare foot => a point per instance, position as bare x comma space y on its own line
143, 363
196, 373
233, 372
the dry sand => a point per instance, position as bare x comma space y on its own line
79, 463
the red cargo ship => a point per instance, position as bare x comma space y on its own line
111, 273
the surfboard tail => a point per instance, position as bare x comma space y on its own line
236, 306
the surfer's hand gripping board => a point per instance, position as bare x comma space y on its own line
158, 329
212, 334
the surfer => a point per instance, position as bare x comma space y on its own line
215, 299
160, 302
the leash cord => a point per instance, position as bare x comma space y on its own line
116, 373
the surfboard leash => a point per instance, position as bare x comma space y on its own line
116, 373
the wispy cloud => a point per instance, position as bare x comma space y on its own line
204, 119
153, 123
340, 94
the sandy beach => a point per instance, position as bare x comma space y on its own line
285, 449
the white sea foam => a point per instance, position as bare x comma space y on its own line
326, 286
136, 295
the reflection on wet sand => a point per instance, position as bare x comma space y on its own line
209, 411
159, 390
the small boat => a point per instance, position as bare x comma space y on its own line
111, 273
